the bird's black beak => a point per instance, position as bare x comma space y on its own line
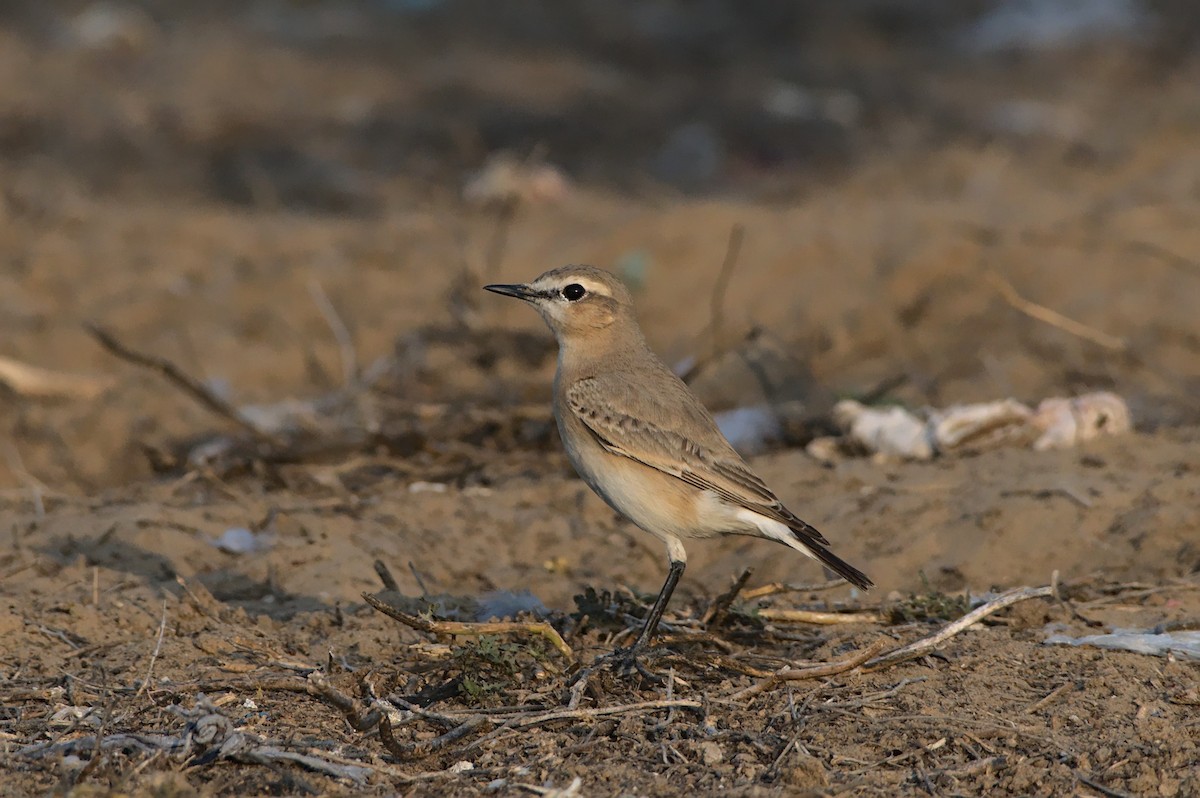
519, 291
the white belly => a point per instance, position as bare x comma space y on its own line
658, 503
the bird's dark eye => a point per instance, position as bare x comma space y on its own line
573, 292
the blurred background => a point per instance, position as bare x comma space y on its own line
295, 203
221, 182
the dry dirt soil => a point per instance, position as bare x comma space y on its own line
267, 195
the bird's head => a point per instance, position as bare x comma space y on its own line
577, 302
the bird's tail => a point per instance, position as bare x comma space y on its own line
809, 542
839, 566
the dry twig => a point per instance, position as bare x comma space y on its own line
1045, 700
505, 212
162, 628
385, 576
722, 602
782, 587
927, 644
1053, 317
717, 303
27, 380
526, 721
814, 672
820, 618
737, 234
426, 747
539, 628
180, 379
341, 333
36, 488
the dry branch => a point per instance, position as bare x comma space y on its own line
539, 628
783, 587
926, 644
179, 378
162, 629
341, 333
598, 712
1053, 317
713, 331
27, 380
385, 576
814, 672
207, 737
426, 747
737, 234
722, 602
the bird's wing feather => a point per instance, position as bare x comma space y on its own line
614, 409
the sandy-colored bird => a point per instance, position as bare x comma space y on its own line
642, 440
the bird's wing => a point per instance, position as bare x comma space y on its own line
614, 409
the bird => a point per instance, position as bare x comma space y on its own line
639, 437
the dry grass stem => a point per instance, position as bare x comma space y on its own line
927, 644
784, 587
180, 379
814, 672
818, 618
1053, 317
539, 628
341, 333
162, 629
722, 602
39, 383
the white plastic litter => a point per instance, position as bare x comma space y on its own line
749, 429
1185, 644
978, 425
1057, 423
239, 540
891, 431
1064, 423
509, 604
505, 178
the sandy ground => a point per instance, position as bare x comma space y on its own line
218, 188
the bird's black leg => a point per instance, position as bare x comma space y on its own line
660, 606
625, 660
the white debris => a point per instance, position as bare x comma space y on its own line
978, 425
113, 26
900, 433
462, 766
1048, 24
509, 604
239, 540
428, 487
749, 429
570, 791
1064, 423
1032, 118
27, 380
74, 716
504, 178
890, 431
790, 101
1186, 644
